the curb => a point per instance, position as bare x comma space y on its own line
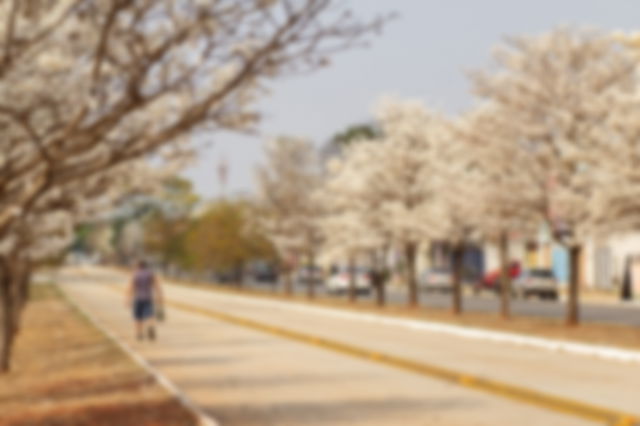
202, 418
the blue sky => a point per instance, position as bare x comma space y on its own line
423, 54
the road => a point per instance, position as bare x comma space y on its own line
624, 314
243, 376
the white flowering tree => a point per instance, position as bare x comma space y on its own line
570, 97
402, 178
507, 195
87, 86
46, 230
459, 181
353, 225
288, 208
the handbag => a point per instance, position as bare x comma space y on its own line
160, 314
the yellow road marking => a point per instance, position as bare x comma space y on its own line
518, 393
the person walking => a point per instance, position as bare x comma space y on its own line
144, 290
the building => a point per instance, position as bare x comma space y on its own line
609, 264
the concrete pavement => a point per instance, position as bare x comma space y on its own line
246, 377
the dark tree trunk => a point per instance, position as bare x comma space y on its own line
410, 252
381, 295
23, 280
353, 291
14, 291
625, 292
311, 289
573, 312
7, 327
239, 275
379, 277
458, 265
505, 277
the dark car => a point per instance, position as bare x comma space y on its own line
225, 277
264, 273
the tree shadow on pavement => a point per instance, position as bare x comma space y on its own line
252, 382
362, 411
205, 359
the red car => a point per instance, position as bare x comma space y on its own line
491, 280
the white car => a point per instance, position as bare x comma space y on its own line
339, 282
436, 279
536, 282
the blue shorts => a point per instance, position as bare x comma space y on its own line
142, 309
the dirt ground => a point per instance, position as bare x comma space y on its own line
68, 373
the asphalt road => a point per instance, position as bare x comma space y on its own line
242, 376
620, 313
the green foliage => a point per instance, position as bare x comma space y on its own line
165, 238
168, 222
164, 217
222, 239
178, 192
81, 241
354, 133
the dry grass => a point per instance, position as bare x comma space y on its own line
68, 373
595, 333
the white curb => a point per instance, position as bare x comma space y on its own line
203, 419
609, 353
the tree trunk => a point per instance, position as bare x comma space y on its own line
573, 313
505, 277
458, 264
7, 327
410, 251
379, 277
11, 304
311, 289
353, 293
21, 294
240, 275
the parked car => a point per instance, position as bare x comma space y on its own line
264, 273
536, 282
436, 279
339, 281
491, 280
308, 274
441, 279
225, 277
